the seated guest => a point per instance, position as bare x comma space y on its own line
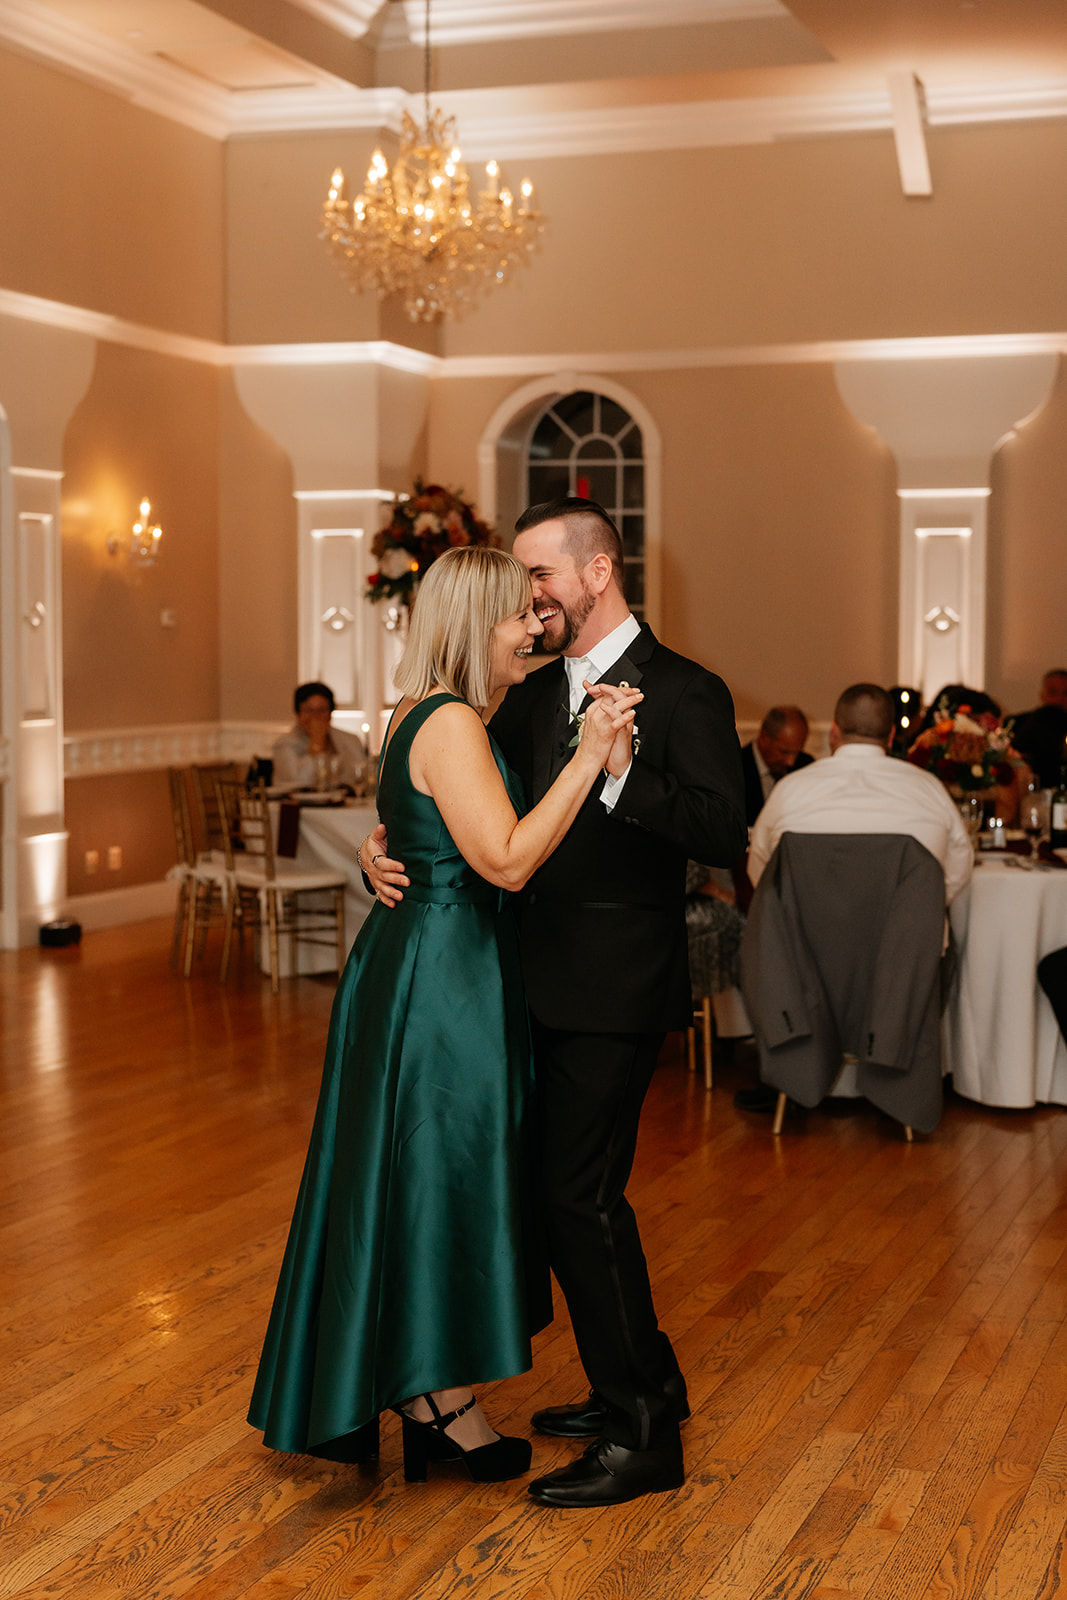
299, 753
714, 927
1040, 736
777, 749
860, 790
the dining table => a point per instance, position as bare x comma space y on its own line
1001, 1040
322, 836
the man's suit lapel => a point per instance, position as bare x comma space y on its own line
630, 666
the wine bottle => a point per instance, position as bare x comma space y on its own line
1058, 813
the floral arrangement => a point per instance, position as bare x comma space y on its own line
423, 526
966, 753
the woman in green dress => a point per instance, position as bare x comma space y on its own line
413, 1267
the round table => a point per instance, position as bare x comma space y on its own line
1002, 1044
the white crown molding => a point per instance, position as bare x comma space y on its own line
704, 124
158, 86
116, 330
351, 18
399, 358
756, 355
482, 21
369, 352
135, 335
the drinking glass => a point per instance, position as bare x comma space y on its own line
971, 810
1034, 817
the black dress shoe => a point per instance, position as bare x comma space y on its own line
586, 1419
762, 1099
608, 1474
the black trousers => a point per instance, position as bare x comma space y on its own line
590, 1089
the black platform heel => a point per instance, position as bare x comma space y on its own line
488, 1463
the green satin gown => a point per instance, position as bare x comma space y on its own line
414, 1262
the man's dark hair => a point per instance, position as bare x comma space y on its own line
866, 712
590, 531
307, 691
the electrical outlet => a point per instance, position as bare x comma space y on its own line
114, 857
92, 860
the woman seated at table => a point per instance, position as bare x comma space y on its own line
414, 1266
315, 754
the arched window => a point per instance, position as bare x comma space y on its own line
587, 444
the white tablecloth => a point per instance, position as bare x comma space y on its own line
1002, 1044
328, 841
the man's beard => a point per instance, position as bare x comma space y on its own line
573, 618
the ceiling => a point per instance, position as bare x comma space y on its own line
559, 76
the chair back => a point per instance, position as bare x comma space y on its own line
248, 834
842, 954
184, 843
211, 829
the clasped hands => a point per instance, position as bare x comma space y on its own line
611, 716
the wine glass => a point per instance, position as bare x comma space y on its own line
1034, 817
971, 810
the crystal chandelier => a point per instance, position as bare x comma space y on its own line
416, 232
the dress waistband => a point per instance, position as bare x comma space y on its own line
472, 894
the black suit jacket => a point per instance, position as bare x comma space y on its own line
603, 921
754, 801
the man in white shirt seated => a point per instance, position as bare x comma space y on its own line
860, 790
313, 748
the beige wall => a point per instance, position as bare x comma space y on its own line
257, 569
147, 426
106, 206
799, 240
795, 241
129, 809
281, 284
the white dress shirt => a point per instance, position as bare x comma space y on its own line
766, 776
860, 789
592, 668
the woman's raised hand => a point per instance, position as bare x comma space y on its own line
608, 721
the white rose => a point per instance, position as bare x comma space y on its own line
394, 563
427, 522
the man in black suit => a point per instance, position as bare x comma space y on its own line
777, 749
603, 940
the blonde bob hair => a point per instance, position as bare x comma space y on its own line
463, 596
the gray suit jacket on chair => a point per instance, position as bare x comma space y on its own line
842, 953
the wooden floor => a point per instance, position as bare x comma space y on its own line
874, 1333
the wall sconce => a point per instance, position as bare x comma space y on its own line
142, 543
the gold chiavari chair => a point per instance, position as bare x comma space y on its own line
273, 893
202, 881
184, 868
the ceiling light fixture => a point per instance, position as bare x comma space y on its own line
415, 231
